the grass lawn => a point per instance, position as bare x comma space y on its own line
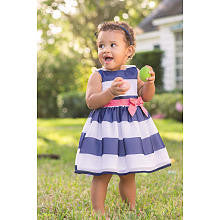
65, 195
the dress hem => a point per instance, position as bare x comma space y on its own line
108, 172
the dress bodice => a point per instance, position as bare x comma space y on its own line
129, 74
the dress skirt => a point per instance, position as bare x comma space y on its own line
112, 141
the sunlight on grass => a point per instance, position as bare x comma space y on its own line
176, 136
59, 131
61, 122
42, 146
67, 131
168, 125
60, 139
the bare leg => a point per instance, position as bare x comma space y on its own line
98, 192
127, 189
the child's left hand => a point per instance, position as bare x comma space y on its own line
151, 79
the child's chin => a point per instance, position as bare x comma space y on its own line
109, 66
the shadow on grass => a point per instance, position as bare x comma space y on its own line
66, 152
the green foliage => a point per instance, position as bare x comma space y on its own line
56, 74
154, 59
166, 104
65, 58
62, 194
72, 104
79, 26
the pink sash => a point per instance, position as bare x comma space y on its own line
132, 103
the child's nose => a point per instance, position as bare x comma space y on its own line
107, 49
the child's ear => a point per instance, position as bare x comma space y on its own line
131, 51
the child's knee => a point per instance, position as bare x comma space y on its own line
105, 178
127, 177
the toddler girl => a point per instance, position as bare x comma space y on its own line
119, 136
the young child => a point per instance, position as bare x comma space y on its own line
119, 136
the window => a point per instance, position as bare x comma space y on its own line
156, 46
179, 59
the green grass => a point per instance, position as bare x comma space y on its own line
62, 194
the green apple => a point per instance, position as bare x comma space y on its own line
144, 73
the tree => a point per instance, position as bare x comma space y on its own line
67, 49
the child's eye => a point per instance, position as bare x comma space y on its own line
113, 45
101, 46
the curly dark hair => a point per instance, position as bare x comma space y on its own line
122, 26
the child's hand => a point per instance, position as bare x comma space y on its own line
119, 86
152, 78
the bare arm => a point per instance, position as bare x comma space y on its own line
146, 89
95, 97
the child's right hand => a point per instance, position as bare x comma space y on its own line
119, 86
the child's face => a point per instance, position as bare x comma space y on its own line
113, 51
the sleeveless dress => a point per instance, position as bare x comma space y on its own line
113, 141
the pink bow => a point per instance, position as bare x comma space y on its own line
133, 103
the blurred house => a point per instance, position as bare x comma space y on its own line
163, 29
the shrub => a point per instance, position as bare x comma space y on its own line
167, 104
56, 73
72, 104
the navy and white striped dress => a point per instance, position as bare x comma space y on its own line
112, 141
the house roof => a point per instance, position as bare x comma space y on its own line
165, 9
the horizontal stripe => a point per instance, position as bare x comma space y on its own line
118, 114
119, 130
125, 97
129, 73
99, 174
127, 67
121, 148
128, 163
131, 92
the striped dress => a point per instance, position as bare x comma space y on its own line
113, 141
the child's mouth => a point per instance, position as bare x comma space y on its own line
108, 59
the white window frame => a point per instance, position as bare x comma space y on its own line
179, 54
